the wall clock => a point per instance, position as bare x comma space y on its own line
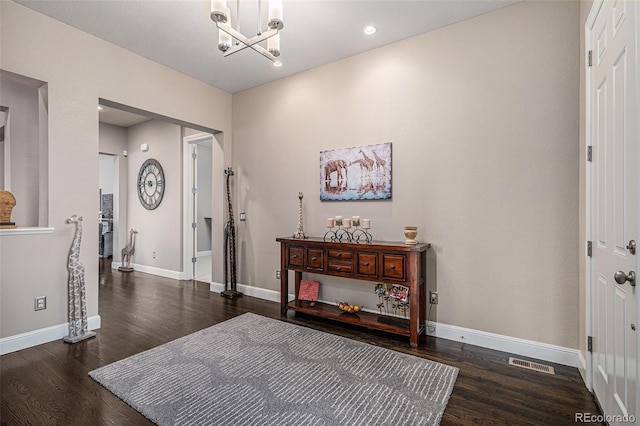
150, 184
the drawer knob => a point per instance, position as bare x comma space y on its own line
295, 256
339, 254
393, 266
366, 263
338, 268
314, 258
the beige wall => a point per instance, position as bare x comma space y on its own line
483, 117
80, 69
21, 95
159, 230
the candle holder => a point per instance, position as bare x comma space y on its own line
343, 235
361, 234
300, 235
331, 234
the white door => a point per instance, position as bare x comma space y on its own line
614, 212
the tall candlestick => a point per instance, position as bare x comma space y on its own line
347, 222
355, 221
331, 222
366, 223
338, 220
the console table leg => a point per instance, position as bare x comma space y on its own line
284, 282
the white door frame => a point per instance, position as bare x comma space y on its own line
588, 140
589, 134
187, 206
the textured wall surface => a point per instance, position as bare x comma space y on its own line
80, 69
483, 117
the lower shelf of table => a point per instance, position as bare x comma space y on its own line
363, 319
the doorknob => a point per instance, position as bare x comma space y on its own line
621, 278
632, 247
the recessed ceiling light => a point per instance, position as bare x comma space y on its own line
370, 29
277, 64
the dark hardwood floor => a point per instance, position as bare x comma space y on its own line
49, 384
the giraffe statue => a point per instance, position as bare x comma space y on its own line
230, 290
78, 324
382, 164
127, 252
300, 235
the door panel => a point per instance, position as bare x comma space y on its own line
614, 206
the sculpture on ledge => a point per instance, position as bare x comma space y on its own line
7, 203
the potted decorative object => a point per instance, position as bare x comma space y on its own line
7, 202
410, 233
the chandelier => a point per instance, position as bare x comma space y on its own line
221, 15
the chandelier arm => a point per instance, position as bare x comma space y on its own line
247, 42
255, 47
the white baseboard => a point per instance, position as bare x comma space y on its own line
167, 273
582, 368
260, 293
43, 335
514, 345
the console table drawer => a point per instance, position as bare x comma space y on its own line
295, 256
393, 266
367, 264
340, 254
315, 259
341, 268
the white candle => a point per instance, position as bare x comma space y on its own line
339, 220
366, 223
355, 220
347, 222
331, 222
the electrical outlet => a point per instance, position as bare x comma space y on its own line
433, 297
40, 303
278, 275
243, 217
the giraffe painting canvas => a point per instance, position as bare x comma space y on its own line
360, 173
78, 324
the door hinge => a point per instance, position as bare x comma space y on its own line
590, 58
193, 260
194, 225
589, 248
194, 155
590, 153
194, 190
589, 344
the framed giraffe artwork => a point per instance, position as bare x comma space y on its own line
359, 173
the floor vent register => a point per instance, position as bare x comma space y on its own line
531, 365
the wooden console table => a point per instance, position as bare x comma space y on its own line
390, 263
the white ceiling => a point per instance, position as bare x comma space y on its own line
180, 34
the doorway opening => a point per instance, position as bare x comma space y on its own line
198, 206
132, 136
107, 223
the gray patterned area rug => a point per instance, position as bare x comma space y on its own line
252, 370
